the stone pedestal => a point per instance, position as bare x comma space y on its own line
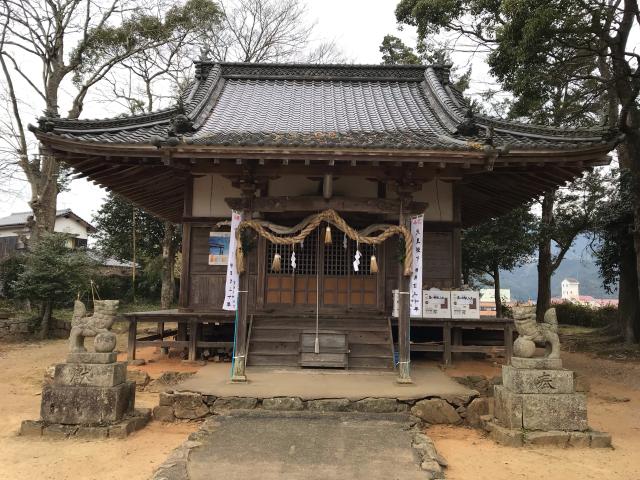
537, 404
90, 396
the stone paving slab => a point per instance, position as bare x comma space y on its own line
266, 382
305, 445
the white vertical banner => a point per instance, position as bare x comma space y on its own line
232, 283
415, 291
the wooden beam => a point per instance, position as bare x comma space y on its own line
314, 204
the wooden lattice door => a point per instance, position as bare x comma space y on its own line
293, 286
340, 284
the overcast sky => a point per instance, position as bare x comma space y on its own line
357, 26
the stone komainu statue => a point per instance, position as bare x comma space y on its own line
97, 325
532, 333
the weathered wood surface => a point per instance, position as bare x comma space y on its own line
340, 204
452, 338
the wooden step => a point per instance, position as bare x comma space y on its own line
274, 360
370, 362
367, 349
291, 348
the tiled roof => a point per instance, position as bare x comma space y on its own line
370, 106
18, 219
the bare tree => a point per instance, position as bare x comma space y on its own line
48, 46
263, 31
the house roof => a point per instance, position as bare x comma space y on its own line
19, 219
346, 118
571, 280
409, 107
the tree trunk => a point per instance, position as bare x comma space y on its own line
45, 320
496, 290
545, 269
628, 294
168, 257
44, 195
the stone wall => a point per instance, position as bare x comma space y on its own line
20, 328
185, 405
14, 328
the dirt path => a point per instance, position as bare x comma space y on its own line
21, 371
614, 406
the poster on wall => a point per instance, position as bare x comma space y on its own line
219, 248
232, 283
465, 304
415, 291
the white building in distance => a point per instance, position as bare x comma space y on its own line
570, 289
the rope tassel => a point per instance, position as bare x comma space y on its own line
373, 264
276, 265
327, 235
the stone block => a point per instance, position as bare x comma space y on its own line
122, 429
376, 405
600, 440
537, 363
329, 405
581, 383
506, 436
234, 403
139, 377
141, 416
282, 403
507, 408
31, 428
547, 439
580, 439
554, 412
527, 380
461, 399
163, 413
92, 357
477, 409
432, 469
436, 411
166, 399
92, 432
188, 405
91, 374
85, 405
59, 431
132, 397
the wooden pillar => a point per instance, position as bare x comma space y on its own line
404, 328
193, 339
185, 277
404, 345
240, 355
131, 344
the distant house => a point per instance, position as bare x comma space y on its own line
570, 289
14, 230
570, 292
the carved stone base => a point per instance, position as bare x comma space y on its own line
87, 405
92, 357
541, 363
519, 438
136, 421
